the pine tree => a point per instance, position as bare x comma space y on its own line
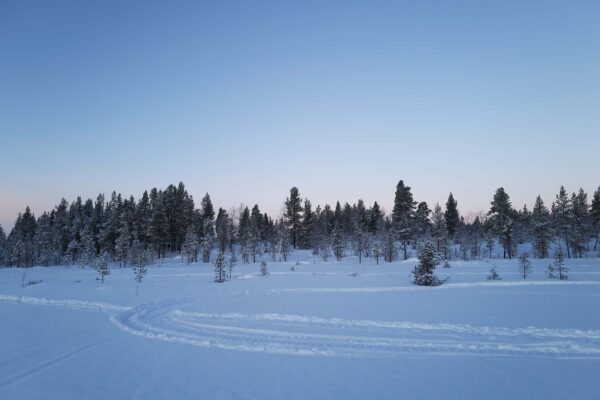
122, 243
559, 264
524, 265
306, 226
100, 264
337, 244
389, 250
293, 208
502, 219
220, 267
541, 226
451, 216
439, 231
423, 273
581, 223
208, 221
139, 259
2, 247
595, 217
377, 251
190, 246
375, 219
562, 214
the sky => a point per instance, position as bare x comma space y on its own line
244, 100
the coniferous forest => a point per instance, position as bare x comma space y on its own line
166, 222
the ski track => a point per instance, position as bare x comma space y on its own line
66, 303
446, 286
298, 335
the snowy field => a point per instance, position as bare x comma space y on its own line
320, 331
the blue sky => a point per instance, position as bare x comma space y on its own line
342, 99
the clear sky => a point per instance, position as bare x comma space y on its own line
244, 100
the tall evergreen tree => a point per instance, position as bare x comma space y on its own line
439, 231
293, 208
306, 226
562, 214
581, 228
451, 216
502, 218
423, 273
595, 216
541, 227
402, 215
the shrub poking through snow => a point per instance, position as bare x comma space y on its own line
423, 273
551, 272
263, 268
446, 264
493, 276
559, 265
524, 265
101, 266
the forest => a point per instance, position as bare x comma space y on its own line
165, 222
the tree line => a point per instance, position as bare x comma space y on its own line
166, 222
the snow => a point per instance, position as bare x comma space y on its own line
324, 330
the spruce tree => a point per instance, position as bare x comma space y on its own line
501, 214
439, 231
581, 223
306, 226
562, 215
220, 267
423, 273
541, 227
389, 249
337, 244
293, 208
451, 216
559, 264
524, 265
402, 215
595, 217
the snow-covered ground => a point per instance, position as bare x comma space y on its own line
320, 331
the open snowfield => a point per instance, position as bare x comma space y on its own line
323, 331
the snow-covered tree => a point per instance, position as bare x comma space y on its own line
439, 231
337, 244
423, 273
493, 275
263, 268
389, 248
581, 223
595, 217
403, 214
542, 230
524, 265
189, 249
501, 214
293, 208
220, 274
559, 264
451, 216
562, 215
101, 266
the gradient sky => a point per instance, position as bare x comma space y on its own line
244, 100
